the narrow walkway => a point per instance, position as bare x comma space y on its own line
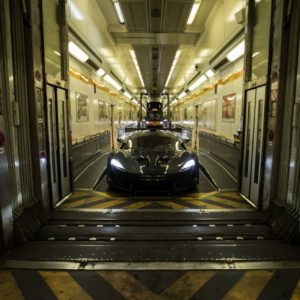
223, 179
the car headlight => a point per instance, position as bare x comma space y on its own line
116, 164
187, 165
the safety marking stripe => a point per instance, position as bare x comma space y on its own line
64, 286
138, 204
108, 204
127, 285
171, 204
296, 292
187, 285
8, 287
199, 195
203, 203
250, 285
80, 203
229, 202
234, 195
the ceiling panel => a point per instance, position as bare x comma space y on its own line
176, 15
136, 15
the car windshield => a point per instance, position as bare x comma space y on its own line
154, 142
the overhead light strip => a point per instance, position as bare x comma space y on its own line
78, 53
236, 52
198, 82
178, 52
193, 12
111, 81
133, 56
119, 11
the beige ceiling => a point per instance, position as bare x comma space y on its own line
156, 29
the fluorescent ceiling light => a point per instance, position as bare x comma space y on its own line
75, 11
255, 54
119, 11
129, 96
178, 52
77, 52
198, 82
181, 95
193, 12
111, 81
101, 72
134, 101
133, 56
236, 52
209, 73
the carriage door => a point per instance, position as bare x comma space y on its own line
58, 143
252, 156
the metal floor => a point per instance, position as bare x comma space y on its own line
203, 244
150, 285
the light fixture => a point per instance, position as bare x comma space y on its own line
57, 53
119, 11
255, 54
75, 11
193, 12
134, 101
128, 95
178, 52
111, 81
77, 52
210, 73
198, 82
236, 52
100, 72
181, 95
133, 56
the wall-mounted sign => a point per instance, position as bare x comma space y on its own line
82, 108
228, 108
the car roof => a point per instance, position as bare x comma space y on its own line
153, 133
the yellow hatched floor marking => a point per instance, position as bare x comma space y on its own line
250, 285
137, 205
233, 195
187, 285
8, 287
127, 285
202, 203
108, 204
171, 204
199, 195
229, 202
64, 286
296, 292
80, 202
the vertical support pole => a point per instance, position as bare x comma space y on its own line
112, 110
168, 110
140, 111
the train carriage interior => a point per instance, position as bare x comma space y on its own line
149, 149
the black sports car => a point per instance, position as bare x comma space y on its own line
152, 161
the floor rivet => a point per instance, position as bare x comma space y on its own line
81, 225
99, 225
117, 225
52, 238
112, 239
260, 238
212, 225
230, 225
199, 238
219, 238
92, 239
71, 239
195, 225
239, 238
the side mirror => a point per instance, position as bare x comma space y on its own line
120, 141
186, 140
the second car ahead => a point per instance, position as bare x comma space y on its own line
152, 161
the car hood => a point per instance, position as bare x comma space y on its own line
152, 163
